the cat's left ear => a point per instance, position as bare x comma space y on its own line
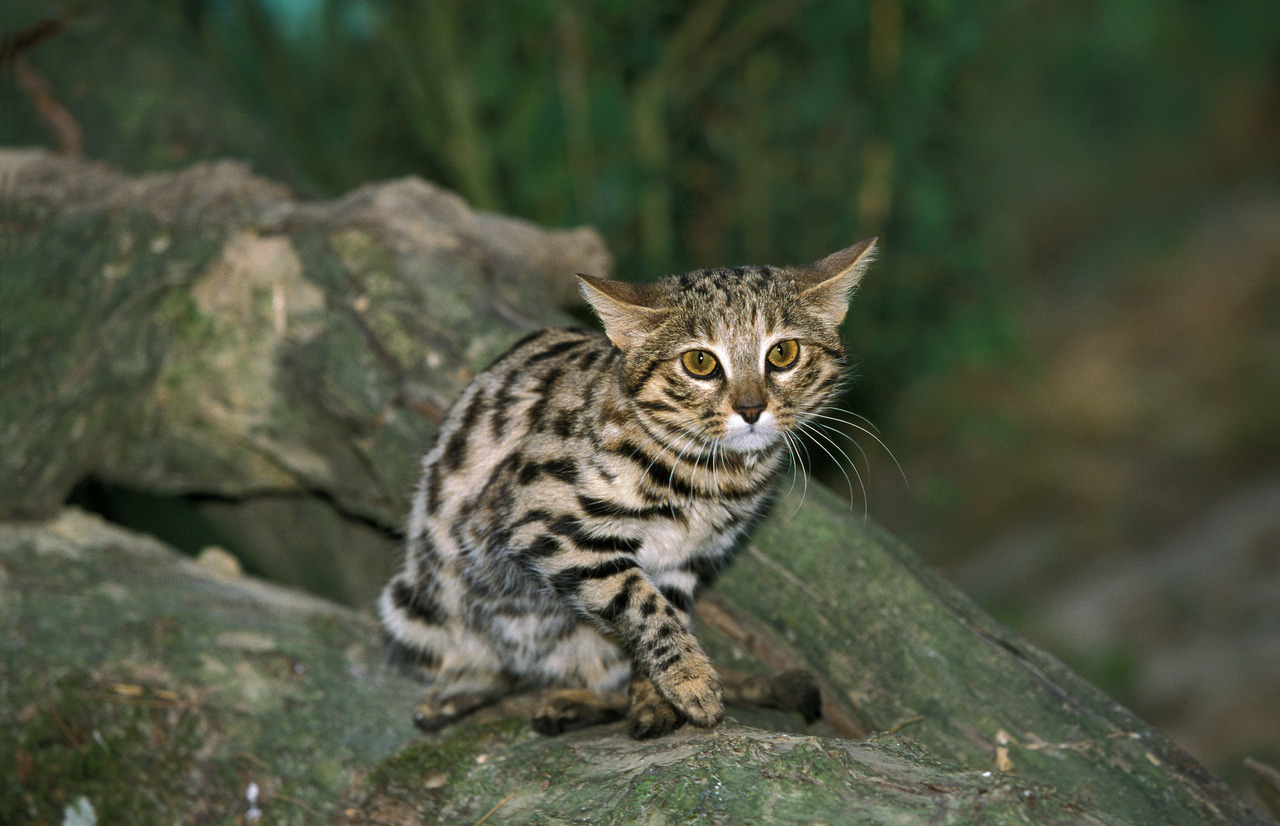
627, 310
827, 285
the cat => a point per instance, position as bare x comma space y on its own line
584, 488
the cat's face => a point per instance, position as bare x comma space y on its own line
737, 362
730, 360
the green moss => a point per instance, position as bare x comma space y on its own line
92, 298
228, 689
451, 754
360, 252
430, 772
133, 752
730, 775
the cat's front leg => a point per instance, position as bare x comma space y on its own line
668, 656
619, 595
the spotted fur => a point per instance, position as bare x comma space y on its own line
584, 488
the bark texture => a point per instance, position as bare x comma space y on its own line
283, 365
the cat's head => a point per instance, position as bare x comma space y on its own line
732, 358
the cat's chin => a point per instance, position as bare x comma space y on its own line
751, 441
753, 445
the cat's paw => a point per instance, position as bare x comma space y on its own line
692, 686
574, 709
650, 714
429, 718
434, 712
653, 718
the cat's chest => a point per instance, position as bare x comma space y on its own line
670, 545
669, 531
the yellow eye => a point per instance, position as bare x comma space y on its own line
699, 363
784, 353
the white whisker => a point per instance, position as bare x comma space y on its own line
794, 441
679, 449
715, 471
791, 455
814, 430
865, 430
671, 480
826, 428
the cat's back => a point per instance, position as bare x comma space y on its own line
538, 386
534, 399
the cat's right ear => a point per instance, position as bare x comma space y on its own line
626, 310
828, 284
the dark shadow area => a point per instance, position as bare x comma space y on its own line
298, 540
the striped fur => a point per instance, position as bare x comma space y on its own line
585, 487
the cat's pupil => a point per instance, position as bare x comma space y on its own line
784, 353
699, 363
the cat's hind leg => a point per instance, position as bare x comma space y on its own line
568, 709
594, 671
456, 694
465, 676
462, 670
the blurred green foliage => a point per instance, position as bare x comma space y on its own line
988, 143
979, 139
692, 135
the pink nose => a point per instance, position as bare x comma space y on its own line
749, 413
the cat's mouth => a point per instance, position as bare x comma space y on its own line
742, 436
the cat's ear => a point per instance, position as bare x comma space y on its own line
626, 310
827, 285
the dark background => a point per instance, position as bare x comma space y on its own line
1071, 342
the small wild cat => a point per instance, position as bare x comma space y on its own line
584, 488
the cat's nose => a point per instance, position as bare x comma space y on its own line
750, 413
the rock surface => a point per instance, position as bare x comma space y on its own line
158, 689
203, 332
145, 687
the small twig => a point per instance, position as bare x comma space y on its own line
1267, 780
499, 805
897, 727
12, 45
58, 719
295, 801
135, 695
253, 758
66, 130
